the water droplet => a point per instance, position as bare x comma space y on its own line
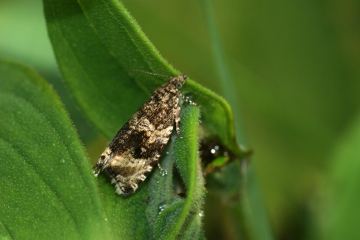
201, 214
105, 219
162, 208
217, 147
226, 154
212, 151
62, 160
163, 172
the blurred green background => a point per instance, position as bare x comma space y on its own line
294, 71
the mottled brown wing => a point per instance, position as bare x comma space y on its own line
150, 127
137, 146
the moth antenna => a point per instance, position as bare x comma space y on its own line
156, 74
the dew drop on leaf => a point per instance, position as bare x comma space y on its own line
163, 172
162, 208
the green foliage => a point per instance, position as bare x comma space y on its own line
48, 183
290, 71
38, 133
46, 177
344, 188
98, 87
84, 32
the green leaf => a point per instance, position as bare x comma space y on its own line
97, 45
156, 210
47, 189
343, 211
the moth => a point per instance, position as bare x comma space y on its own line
136, 148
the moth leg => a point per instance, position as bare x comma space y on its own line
186, 99
163, 172
176, 113
161, 169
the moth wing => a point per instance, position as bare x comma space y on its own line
137, 146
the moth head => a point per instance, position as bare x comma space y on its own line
183, 76
179, 81
102, 161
